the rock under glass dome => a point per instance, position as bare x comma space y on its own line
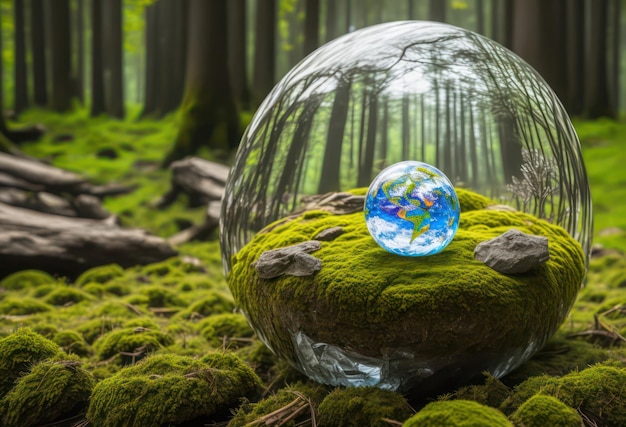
408, 90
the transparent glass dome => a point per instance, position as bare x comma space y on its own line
408, 90
399, 91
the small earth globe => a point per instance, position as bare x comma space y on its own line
411, 209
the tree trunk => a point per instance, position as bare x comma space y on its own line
61, 57
575, 52
20, 85
210, 116
97, 72
311, 25
112, 15
150, 105
367, 162
331, 165
264, 50
539, 36
597, 97
332, 24
37, 38
79, 84
237, 51
437, 11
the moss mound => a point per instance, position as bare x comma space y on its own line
458, 413
226, 329
289, 407
64, 295
18, 352
131, 340
541, 411
22, 306
50, 390
166, 389
100, 274
26, 279
72, 343
362, 406
214, 302
443, 307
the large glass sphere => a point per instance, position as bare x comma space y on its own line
420, 91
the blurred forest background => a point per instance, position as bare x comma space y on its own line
213, 59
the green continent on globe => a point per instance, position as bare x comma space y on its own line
443, 310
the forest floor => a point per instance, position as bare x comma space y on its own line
180, 310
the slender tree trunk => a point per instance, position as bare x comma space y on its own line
20, 85
114, 86
61, 57
237, 51
437, 11
37, 37
4, 144
264, 50
332, 23
210, 116
614, 37
597, 97
79, 83
331, 173
311, 25
152, 71
480, 16
406, 128
367, 163
97, 73
539, 37
575, 51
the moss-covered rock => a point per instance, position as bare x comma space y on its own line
93, 329
64, 295
71, 342
458, 413
540, 384
447, 314
226, 329
289, 407
170, 389
542, 411
139, 340
26, 279
21, 306
492, 393
362, 406
213, 302
100, 274
18, 352
50, 390
156, 296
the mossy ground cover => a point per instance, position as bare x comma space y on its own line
61, 341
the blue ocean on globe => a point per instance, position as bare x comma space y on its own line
411, 209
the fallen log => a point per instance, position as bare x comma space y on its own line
68, 246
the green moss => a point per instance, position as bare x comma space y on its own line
113, 308
72, 342
91, 330
64, 295
131, 340
293, 403
22, 306
458, 413
598, 391
213, 302
45, 330
226, 329
18, 352
117, 288
413, 304
471, 201
362, 406
156, 296
492, 393
101, 274
50, 390
540, 384
541, 411
26, 279
43, 290
172, 389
